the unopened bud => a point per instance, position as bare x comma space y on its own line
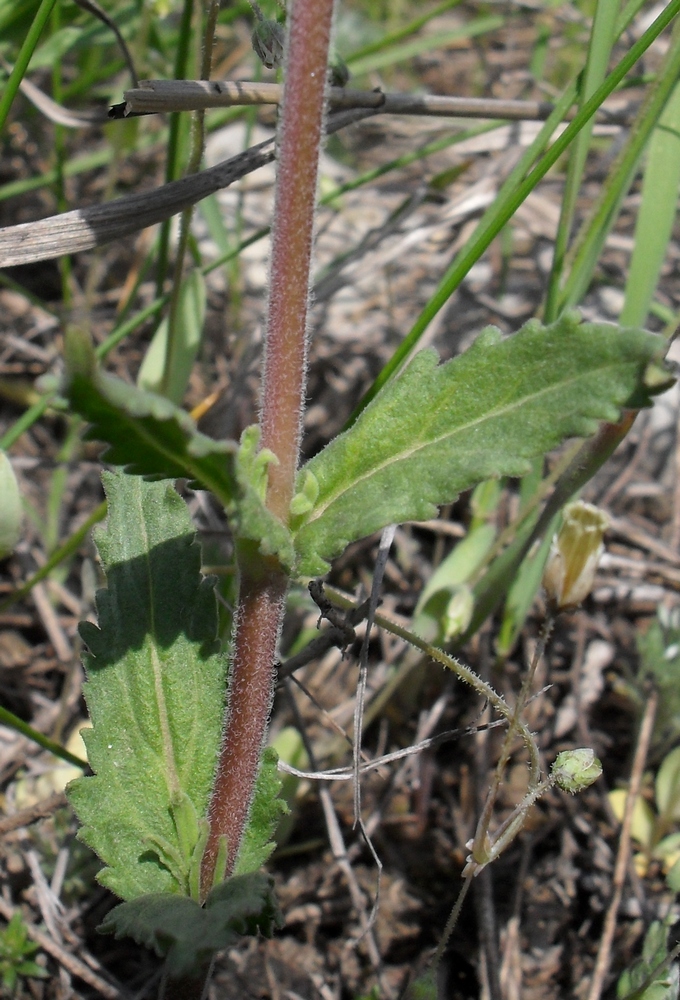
10, 507
338, 70
575, 552
458, 614
575, 770
268, 41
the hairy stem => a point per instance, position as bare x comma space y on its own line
262, 582
251, 687
286, 342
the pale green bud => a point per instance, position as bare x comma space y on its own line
10, 507
575, 552
575, 770
338, 70
268, 41
458, 612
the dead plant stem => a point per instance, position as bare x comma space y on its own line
641, 750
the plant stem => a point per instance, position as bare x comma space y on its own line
263, 583
251, 688
286, 342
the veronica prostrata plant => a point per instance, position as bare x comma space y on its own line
182, 805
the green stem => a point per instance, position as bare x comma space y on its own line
14, 722
462, 671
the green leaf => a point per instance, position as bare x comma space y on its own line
439, 429
673, 877
654, 950
147, 434
251, 518
187, 934
265, 814
187, 334
155, 691
150, 436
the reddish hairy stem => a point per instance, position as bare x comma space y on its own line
263, 584
251, 688
298, 157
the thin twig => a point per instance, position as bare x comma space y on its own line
484, 894
386, 540
338, 847
460, 669
155, 96
347, 773
604, 951
25, 817
93, 8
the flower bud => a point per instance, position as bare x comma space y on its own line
338, 70
11, 513
268, 40
574, 770
458, 614
574, 555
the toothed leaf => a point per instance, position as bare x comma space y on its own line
188, 935
265, 813
440, 428
155, 692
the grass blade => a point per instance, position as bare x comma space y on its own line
657, 213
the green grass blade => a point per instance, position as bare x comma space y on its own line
657, 213
599, 53
507, 203
405, 32
488, 228
628, 15
417, 46
69, 547
21, 65
587, 247
166, 368
8, 718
